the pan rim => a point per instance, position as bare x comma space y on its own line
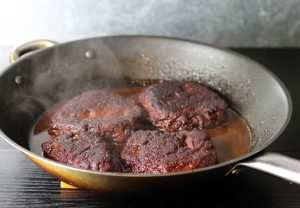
206, 169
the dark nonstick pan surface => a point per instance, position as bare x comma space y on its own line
38, 81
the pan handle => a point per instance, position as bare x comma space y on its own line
29, 47
274, 164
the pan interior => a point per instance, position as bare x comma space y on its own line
40, 80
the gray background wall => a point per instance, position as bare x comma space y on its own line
235, 23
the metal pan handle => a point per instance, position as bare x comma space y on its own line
29, 47
274, 164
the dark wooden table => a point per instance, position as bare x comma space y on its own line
23, 184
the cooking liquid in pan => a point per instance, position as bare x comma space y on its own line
231, 140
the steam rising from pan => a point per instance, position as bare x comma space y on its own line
94, 66
58, 75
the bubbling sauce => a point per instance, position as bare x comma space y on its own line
231, 140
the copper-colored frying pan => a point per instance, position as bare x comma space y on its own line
39, 80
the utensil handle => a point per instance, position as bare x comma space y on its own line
274, 164
29, 47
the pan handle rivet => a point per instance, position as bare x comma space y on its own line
89, 54
19, 80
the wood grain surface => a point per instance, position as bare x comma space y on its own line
23, 184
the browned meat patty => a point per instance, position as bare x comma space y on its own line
178, 105
83, 150
161, 152
98, 111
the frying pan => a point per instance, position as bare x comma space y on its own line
37, 81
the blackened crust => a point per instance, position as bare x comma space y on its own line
83, 150
182, 105
162, 152
98, 111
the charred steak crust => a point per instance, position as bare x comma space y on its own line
84, 150
98, 111
179, 105
160, 152
84, 129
